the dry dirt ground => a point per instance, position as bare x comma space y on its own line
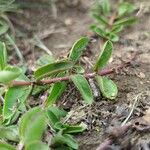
59, 33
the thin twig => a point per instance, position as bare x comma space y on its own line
132, 109
67, 78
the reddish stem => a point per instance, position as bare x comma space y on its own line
67, 78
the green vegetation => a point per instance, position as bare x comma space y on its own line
26, 125
111, 21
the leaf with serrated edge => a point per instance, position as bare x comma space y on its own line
83, 86
104, 56
107, 87
52, 68
78, 48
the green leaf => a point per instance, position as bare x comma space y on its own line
117, 29
125, 21
104, 56
75, 129
10, 73
9, 133
55, 92
5, 146
78, 69
45, 59
64, 139
113, 37
50, 69
125, 8
106, 6
82, 85
3, 56
98, 31
55, 114
14, 98
69, 129
3, 27
37, 145
78, 48
32, 125
102, 20
107, 87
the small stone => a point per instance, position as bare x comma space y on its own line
68, 22
142, 75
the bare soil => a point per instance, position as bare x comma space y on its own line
58, 34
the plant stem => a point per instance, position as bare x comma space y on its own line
67, 78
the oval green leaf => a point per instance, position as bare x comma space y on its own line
78, 48
52, 68
55, 92
10, 73
104, 56
32, 125
15, 97
84, 88
99, 31
107, 87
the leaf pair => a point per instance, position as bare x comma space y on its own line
59, 68
109, 35
55, 115
62, 136
63, 65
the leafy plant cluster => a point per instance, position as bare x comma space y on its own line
44, 126
111, 21
32, 125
